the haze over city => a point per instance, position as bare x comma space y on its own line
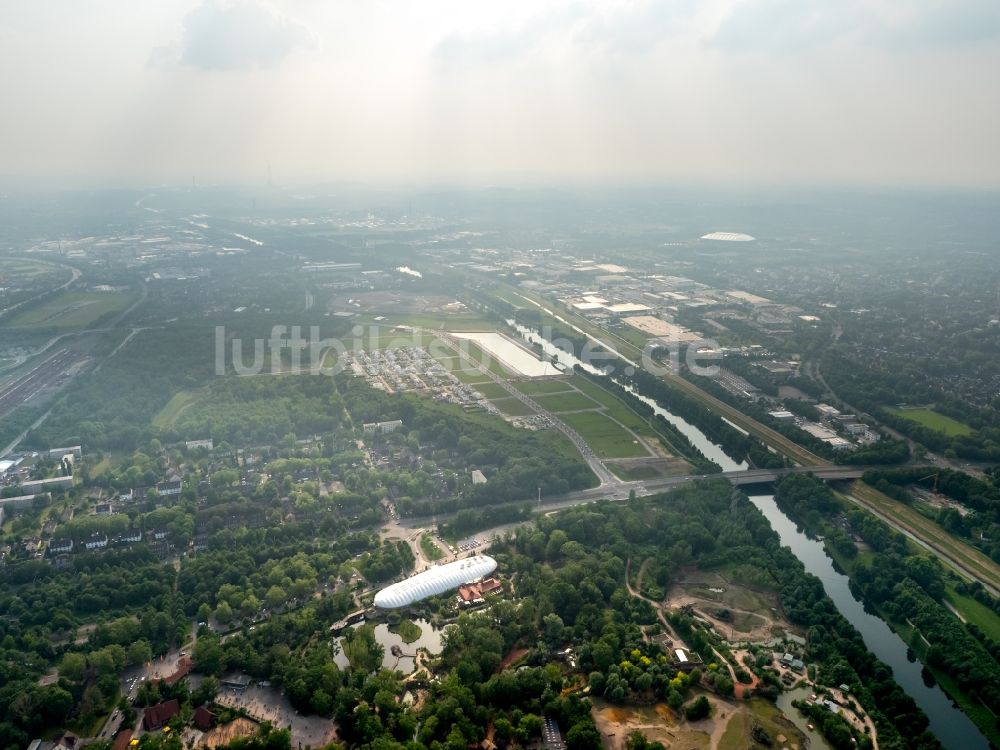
458, 375
847, 92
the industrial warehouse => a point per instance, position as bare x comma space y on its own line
435, 581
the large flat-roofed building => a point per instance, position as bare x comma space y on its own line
435, 581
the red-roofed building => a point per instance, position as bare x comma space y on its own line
183, 669
157, 716
474, 593
122, 739
203, 719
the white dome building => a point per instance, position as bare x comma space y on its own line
437, 580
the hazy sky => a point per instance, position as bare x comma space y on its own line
824, 91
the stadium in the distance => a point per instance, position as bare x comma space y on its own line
437, 580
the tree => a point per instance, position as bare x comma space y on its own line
503, 730
92, 701
224, 612
553, 629
698, 709
139, 652
529, 726
206, 691
275, 597
208, 656
73, 666
321, 702
583, 736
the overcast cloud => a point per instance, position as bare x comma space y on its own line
895, 92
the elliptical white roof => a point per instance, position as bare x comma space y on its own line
437, 580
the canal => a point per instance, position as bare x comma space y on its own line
952, 727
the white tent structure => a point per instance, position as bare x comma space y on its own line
437, 580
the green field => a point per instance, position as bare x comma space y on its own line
934, 421
471, 376
493, 390
540, 387
432, 321
384, 338
71, 310
511, 407
29, 269
605, 436
616, 408
634, 473
570, 401
173, 408
430, 549
980, 615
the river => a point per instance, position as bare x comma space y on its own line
952, 727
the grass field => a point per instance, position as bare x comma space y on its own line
29, 269
173, 408
431, 321
634, 473
934, 421
493, 390
71, 310
570, 401
512, 407
430, 549
605, 436
985, 618
541, 387
952, 550
385, 339
616, 408
471, 376
766, 434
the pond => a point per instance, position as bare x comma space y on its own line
430, 639
784, 702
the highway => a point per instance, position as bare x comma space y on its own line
620, 491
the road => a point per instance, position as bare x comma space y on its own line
621, 491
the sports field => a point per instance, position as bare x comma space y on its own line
541, 387
604, 435
71, 310
492, 390
570, 401
512, 407
934, 421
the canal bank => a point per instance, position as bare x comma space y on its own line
948, 723
952, 727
